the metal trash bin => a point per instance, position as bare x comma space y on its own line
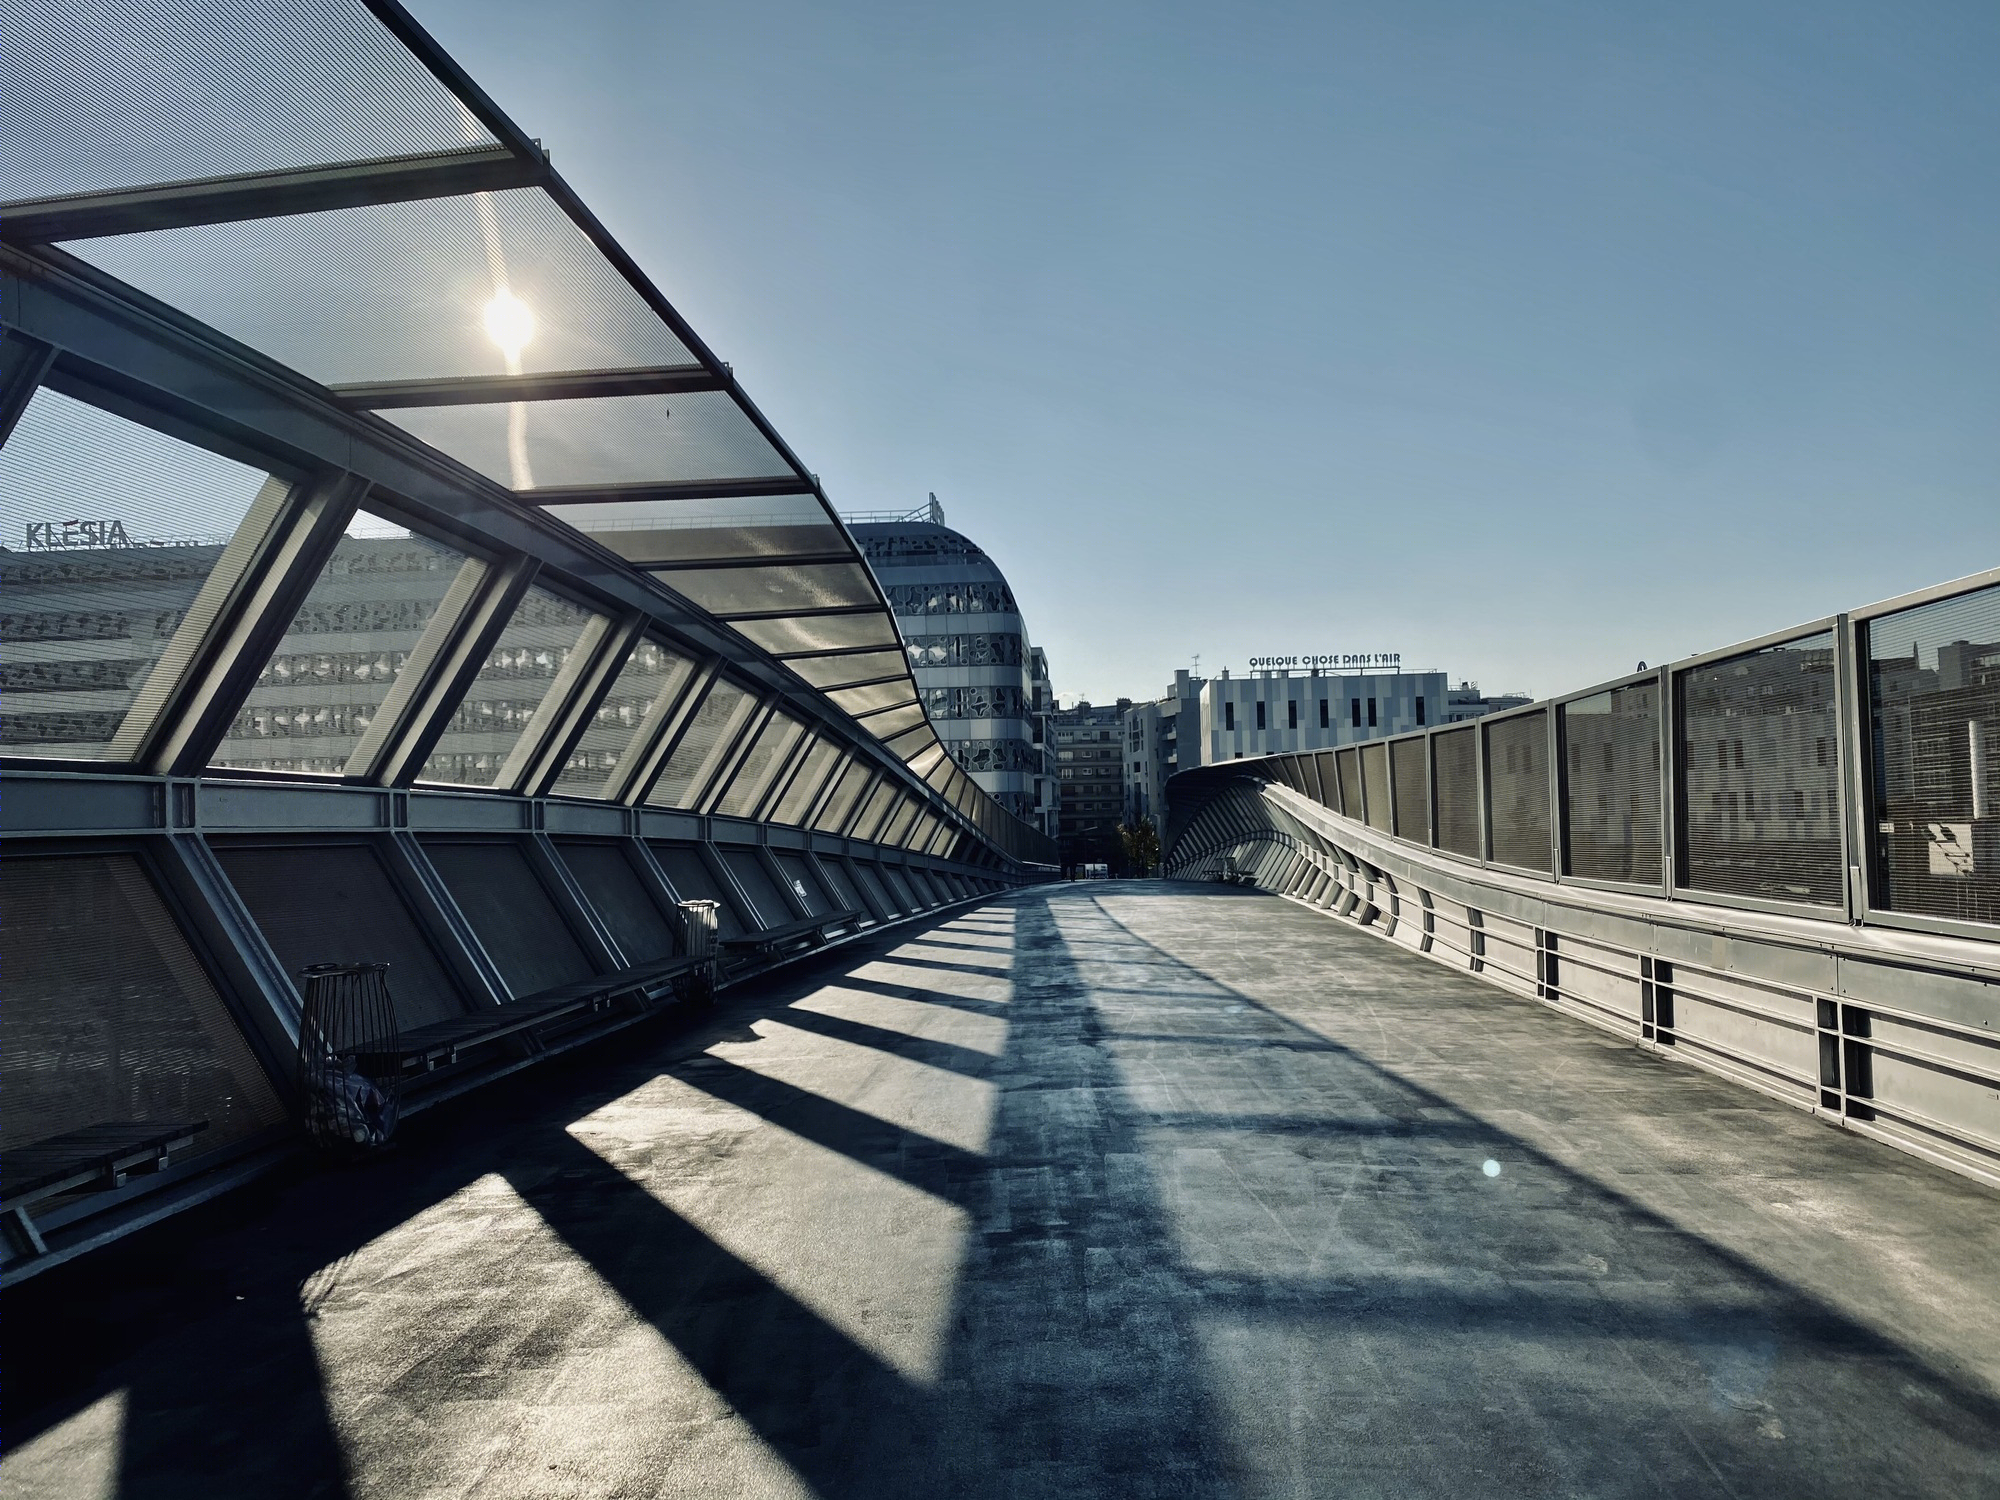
350, 1056
701, 924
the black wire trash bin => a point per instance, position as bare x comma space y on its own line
700, 922
350, 1056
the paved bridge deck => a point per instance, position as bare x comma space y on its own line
1109, 1189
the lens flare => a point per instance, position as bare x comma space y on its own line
509, 324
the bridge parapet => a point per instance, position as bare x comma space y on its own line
1780, 861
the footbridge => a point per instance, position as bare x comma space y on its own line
506, 992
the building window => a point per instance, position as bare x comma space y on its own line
1229, 716
1260, 713
1322, 713
1354, 704
1371, 713
1292, 714
1420, 710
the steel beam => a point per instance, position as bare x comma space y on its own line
553, 385
752, 487
267, 195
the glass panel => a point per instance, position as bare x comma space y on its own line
351, 639
678, 531
648, 685
861, 700
111, 534
892, 722
1413, 802
1760, 793
873, 815
840, 804
1517, 783
599, 439
819, 633
503, 698
1612, 784
109, 1016
1457, 784
799, 587
898, 827
1375, 779
1934, 701
766, 759
704, 745
806, 783
402, 291
859, 666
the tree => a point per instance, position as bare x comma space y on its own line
1141, 843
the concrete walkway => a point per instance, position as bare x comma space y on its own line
1100, 1190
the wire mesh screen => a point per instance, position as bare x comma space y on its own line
620, 898
899, 888
511, 914
801, 587
1611, 791
108, 1015
1934, 702
704, 745
1375, 784
334, 903
693, 881
859, 666
874, 812
504, 697
1455, 761
351, 639
1348, 762
350, 1064
839, 884
323, 82
897, 829
1761, 767
1517, 788
1413, 801
648, 685
112, 536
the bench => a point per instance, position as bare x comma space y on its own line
440, 1043
97, 1158
809, 932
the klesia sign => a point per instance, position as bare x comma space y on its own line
1331, 659
62, 536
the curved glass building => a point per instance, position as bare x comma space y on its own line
969, 652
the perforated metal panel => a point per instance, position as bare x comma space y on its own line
871, 880
692, 881
511, 913
1760, 795
772, 910
1517, 781
1375, 778
517, 675
1407, 767
805, 883
1329, 780
649, 684
899, 888
1611, 784
840, 885
762, 762
620, 899
1934, 700
1348, 764
335, 903
921, 882
109, 1015
1456, 780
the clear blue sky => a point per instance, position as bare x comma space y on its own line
1529, 339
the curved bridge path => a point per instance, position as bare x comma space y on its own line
1096, 1190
